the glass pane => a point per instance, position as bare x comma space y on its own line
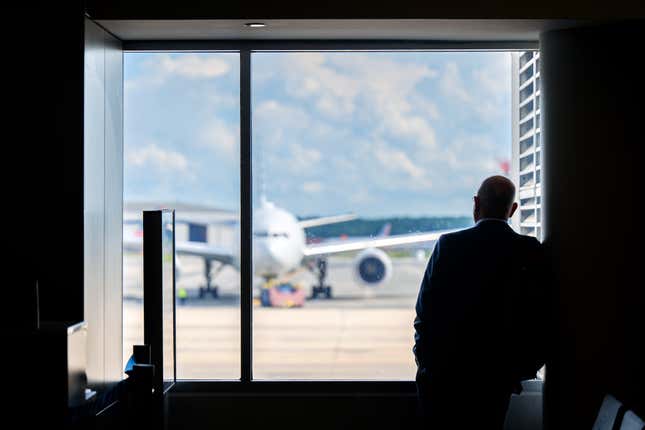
401, 141
181, 146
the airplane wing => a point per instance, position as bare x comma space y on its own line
206, 251
336, 246
197, 249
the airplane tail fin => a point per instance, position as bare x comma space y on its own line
385, 230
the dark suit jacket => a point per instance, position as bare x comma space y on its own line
481, 311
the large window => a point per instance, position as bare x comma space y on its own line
360, 160
181, 145
400, 140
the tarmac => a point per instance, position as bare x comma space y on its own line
361, 333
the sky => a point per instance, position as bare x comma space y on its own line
374, 133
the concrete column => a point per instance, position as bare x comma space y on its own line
593, 139
103, 204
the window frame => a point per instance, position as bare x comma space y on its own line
246, 385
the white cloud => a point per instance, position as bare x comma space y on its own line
157, 69
470, 158
157, 157
308, 76
374, 133
193, 66
271, 118
494, 77
375, 88
302, 159
452, 84
425, 107
395, 160
486, 89
412, 127
312, 187
361, 196
221, 138
493, 81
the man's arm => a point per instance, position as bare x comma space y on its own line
534, 304
424, 303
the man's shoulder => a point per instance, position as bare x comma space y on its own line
527, 246
473, 232
456, 235
529, 241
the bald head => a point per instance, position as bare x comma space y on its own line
495, 199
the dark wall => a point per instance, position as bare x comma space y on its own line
593, 109
44, 93
292, 412
43, 164
339, 9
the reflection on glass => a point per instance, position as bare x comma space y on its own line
361, 160
168, 252
181, 146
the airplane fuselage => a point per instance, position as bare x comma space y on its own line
278, 241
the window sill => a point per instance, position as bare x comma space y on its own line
300, 388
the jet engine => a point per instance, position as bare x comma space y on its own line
372, 267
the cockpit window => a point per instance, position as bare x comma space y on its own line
267, 234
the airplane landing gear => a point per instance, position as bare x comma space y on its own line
209, 289
320, 289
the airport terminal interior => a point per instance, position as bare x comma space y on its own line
293, 167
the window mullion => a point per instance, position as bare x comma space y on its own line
246, 212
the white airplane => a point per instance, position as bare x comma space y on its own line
280, 247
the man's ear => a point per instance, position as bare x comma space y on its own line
513, 209
476, 208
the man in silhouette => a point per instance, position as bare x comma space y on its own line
478, 327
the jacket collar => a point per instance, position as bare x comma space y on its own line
493, 223
491, 219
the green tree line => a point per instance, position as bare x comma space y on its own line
402, 225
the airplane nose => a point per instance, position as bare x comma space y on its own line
265, 257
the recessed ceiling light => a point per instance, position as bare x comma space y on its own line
255, 24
